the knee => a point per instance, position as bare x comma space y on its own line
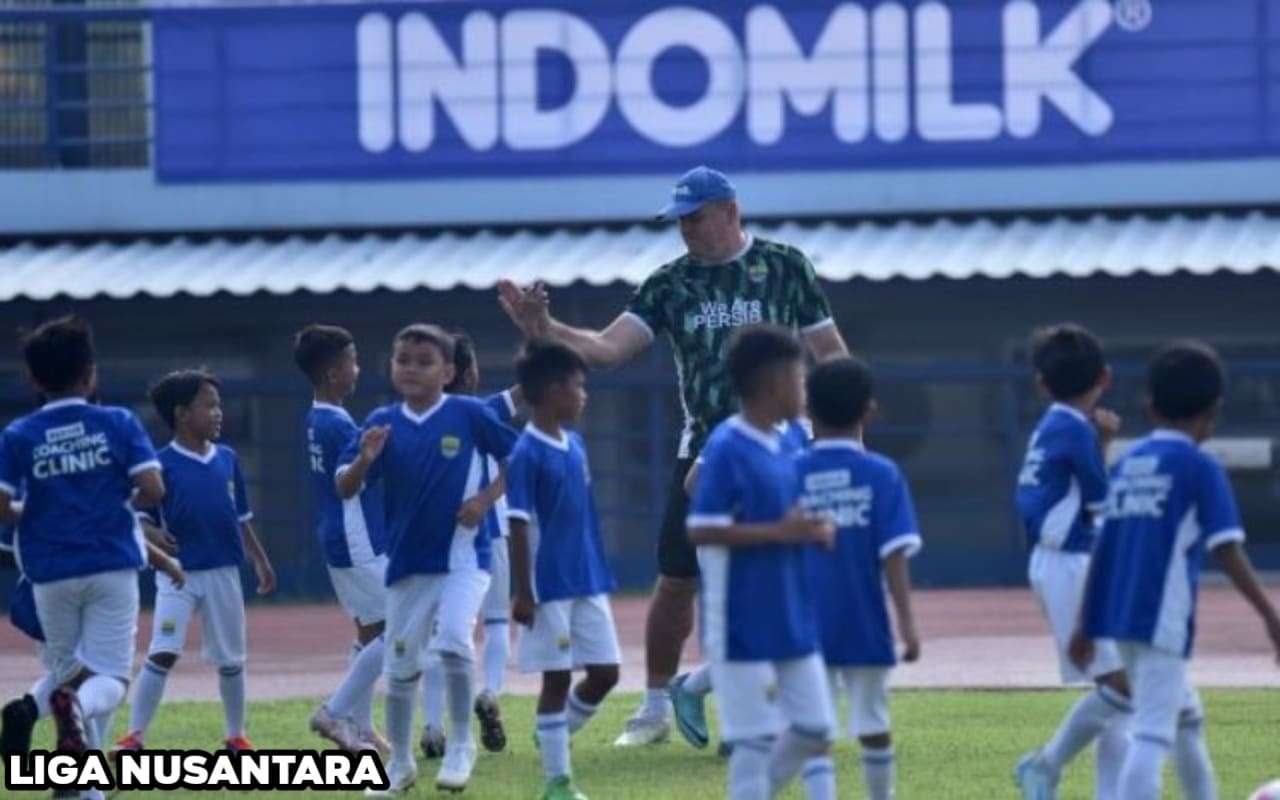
555, 687
678, 590
367, 633
230, 670
603, 677
812, 741
879, 741
164, 661
1117, 682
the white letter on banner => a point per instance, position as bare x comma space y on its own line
938, 117
467, 88
892, 93
777, 68
679, 126
1035, 69
373, 82
524, 125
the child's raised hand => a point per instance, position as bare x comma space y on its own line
373, 440
1107, 422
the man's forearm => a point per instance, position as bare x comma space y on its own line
599, 354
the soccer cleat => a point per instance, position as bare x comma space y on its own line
339, 730
562, 788
17, 720
1033, 780
492, 735
432, 743
400, 779
64, 706
455, 770
370, 739
690, 712
129, 743
237, 744
643, 730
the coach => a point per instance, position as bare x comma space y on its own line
728, 278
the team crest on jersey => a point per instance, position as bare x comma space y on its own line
756, 273
450, 445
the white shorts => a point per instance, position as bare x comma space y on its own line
362, 590
570, 634
1058, 580
497, 601
89, 622
763, 698
867, 689
438, 611
216, 594
1163, 697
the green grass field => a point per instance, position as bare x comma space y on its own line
951, 744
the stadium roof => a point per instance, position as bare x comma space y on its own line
1117, 246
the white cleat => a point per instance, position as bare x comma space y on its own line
400, 777
339, 730
1033, 780
644, 730
455, 770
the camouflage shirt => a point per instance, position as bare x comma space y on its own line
697, 306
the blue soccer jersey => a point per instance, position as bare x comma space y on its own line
1169, 504
432, 463
866, 497
204, 506
549, 487
76, 463
504, 408
757, 602
1063, 482
22, 602
351, 531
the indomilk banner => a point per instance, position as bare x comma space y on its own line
489, 89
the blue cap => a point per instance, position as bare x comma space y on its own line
696, 188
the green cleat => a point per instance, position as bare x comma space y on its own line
690, 712
562, 788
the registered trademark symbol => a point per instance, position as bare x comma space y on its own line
1133, 15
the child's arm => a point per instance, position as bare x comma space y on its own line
162, 563
1235, 562
473, 510
899, 579
794, 528
149, 487
691, 478
350, 478
522, 604
158, 536
10, 512
261, 564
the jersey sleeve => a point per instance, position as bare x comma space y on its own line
649, 303
813, 312
1216, 508
11, 464
521, 473
502, 406
335, 438
896, 525
718, 493
1089, 468
243, 512
137, 453
493, 438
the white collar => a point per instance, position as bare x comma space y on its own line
1170, 435
64, 403
561, 444
418, 419
839, 444
766, 439
1075, 412
331, 407
194, 456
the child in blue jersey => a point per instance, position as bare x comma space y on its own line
865, 495
1169, 505
79, 467
495, 609
206, 521
562, 581
1061, 489
351, 534
758, 606
428, 452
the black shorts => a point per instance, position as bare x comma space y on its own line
677, 557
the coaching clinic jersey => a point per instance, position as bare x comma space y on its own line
698, 306
1169, 504
431, 464
76, 463
351, 531
757, 602
866, 497
204, 505
504, 408
549, 487
1063, 482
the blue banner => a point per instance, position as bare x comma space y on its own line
501, 90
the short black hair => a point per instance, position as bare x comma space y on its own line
179, 388
1185, 379
542, 363
464, 355
426, 333
840, 392
1069, 359
59, 353
756, 348
316, 348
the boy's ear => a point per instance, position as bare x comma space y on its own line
450, 372
1104, 380
1041, 385
873, 411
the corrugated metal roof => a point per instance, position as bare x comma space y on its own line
840, 251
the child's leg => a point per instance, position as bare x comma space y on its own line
585, 698
459, 606
1113, 741
1159, 685
594, 642
363, 596
750, 719
1098, 711
868, 693
222, 616
411, 606
804, 696
110, 629
1191, 756
553, 724
495, 612
172, 616
433, 691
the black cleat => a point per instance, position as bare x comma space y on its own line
492, 734
17, 720
64, 705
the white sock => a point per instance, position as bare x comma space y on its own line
819, 777
793, 749
433, 692
699, 681
1140, 779
146, 697
579, 711
40, 693
497, 645
100, 696
553, 743
354, 697
102, 727
231, 687
459, 694
1086, 719
1191, 757
749, 769
657, 703
400, 693
1113, 747
879, 771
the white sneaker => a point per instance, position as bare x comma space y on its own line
1033, 779
455, 770
644, 729
400, 779
339, 730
